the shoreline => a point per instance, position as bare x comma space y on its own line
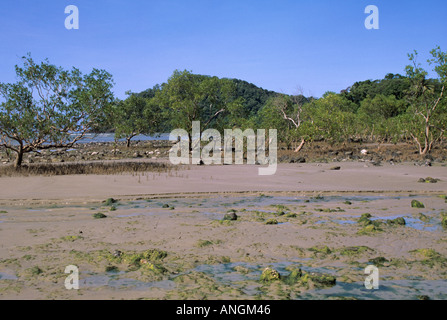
307, 178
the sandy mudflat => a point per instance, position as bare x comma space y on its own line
352, 177
170, 242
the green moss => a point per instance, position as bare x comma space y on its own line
398, 221
444, 220
34, 271
71, 238
430, 257
365, 219
294, 277
426, 253
111, 269
321, 249
304, 279
203, 243
322, 280
354, 250
109, 202
269, 275
99, 215
271, 221
417, 204
231, 215
369, 229
379, 261
423, 217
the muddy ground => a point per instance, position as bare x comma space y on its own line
158, 235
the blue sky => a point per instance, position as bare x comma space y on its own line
315, 45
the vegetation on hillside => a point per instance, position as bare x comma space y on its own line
49, 107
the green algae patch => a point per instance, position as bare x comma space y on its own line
269, 275
301, 278
369, 229
444, 220
398, 221
321, 249
417, 204
354, 251
109, 202
71, 238
203, 243
99, 215
429, 257
379, 261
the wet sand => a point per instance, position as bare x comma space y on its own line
46, 224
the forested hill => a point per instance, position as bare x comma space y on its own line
254, 97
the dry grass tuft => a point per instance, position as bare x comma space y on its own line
95, 168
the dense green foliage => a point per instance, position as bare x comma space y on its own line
49, 107
52, 108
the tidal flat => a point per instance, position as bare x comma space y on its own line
183, 247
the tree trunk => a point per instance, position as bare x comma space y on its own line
128, 142
426, 139
19, 158
300, 146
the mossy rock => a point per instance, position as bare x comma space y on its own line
231, 216
379, 261
428, 180
109, 201
417, 204
295, 276
444, 221
165, 206
321, 249
34, 271
368, 229
423, 217
111, 269
365, 219
99, 215
271, 221
322, 280
398, 221
269, 275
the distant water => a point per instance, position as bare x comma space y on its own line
110, 137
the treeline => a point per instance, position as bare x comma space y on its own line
49, 107
410, 107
